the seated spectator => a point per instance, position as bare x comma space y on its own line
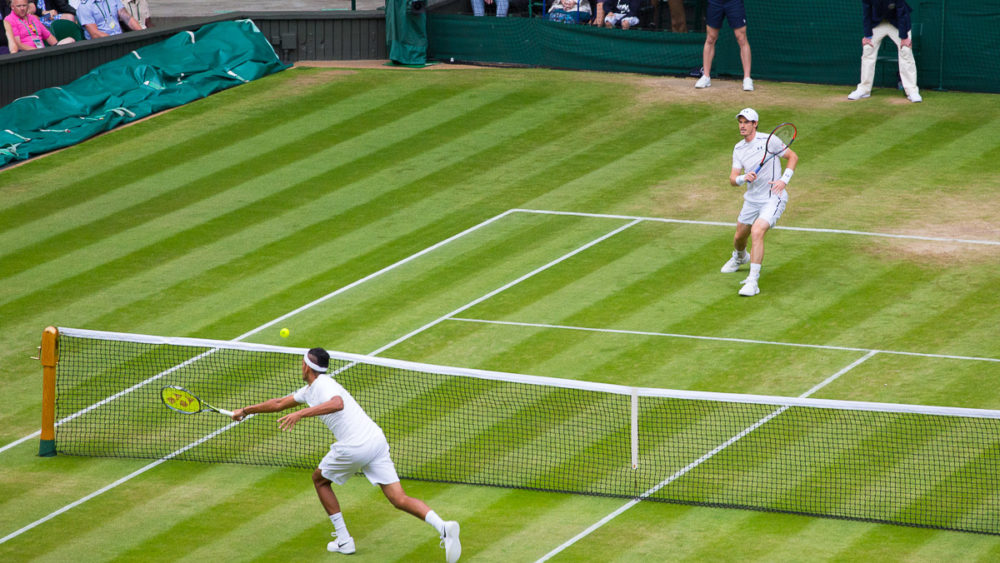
50, 10
27, 31
618, 12
479, 7
103, 18
569, 11
139, 9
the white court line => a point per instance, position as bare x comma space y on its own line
726, 339
699, 461
778, 227
305, 307
107, 488
475, 302
391, 344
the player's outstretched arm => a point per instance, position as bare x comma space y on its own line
272, 405
288, 421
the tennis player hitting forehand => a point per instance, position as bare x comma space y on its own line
360, 446
764, 200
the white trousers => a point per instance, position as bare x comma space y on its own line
907, 65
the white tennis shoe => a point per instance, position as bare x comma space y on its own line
452, 546
341, 546
703, 82
749, 288
915, 98
857, 95
734, 263
748, 84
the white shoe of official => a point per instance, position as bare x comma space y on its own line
858, 94
703, 82
341, 546
452, 546
748, 84
915, 98
735, 262
749, 288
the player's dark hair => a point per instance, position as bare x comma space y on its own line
320, 356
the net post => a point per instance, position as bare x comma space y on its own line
49, 357
635, 428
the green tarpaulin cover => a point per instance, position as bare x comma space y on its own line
184, 68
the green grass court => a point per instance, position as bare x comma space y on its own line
568, 225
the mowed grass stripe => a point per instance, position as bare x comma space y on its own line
214, 228
147, 284
208, 181
288, 248
112, 273
406, 301
193, 179
142, 142
103, 179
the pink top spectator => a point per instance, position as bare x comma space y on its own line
29, 30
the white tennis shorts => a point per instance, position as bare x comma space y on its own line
615, 19
769, 211
372, 459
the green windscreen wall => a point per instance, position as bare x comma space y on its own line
955, 43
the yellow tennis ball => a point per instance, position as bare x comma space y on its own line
284, 333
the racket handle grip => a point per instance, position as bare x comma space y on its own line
227, 413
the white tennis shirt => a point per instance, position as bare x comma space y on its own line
747, 156
350, 425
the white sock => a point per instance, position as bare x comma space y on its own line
340, 526
434, 520
755, 271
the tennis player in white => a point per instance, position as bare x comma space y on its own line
360, 446
764, 200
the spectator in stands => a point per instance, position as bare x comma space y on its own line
618, 12
570, 11
102, 18
26, 30
50, 10
479, 7
887, 18
678, 17
736, 13
140, 11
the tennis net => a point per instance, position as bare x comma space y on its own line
933, 467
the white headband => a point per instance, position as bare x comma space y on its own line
315, 367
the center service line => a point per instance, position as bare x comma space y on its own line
700, 460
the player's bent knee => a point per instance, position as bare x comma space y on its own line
318, 479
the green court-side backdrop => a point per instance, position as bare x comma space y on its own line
955, 44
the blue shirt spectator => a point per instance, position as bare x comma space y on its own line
102, 18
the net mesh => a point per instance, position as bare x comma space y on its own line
902, 465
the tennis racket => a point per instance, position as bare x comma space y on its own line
780, 139
185, 402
